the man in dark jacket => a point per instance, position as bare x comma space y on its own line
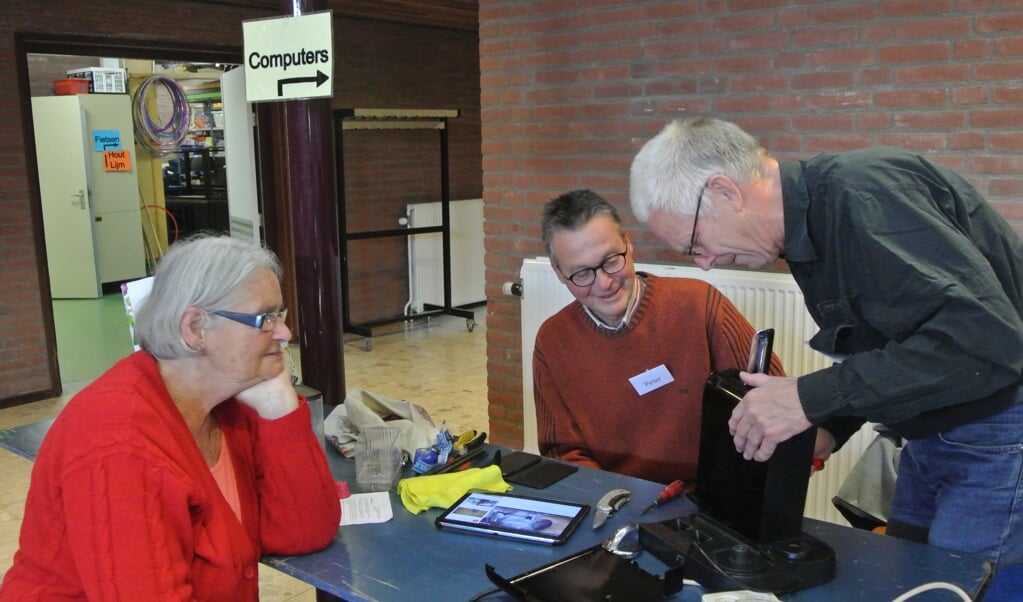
916, 283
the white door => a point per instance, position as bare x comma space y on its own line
117, 218
64, 188
242, 195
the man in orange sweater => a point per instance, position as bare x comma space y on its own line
619, 373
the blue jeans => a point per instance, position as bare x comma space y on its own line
965, 486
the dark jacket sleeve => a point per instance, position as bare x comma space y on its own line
924, 318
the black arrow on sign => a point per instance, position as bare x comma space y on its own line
319, 79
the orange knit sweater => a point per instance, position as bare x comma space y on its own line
588, 412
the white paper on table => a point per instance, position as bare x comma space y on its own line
365, 508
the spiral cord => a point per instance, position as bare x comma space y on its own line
160, 138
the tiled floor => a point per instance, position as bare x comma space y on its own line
436, 363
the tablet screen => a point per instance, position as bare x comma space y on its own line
516, 517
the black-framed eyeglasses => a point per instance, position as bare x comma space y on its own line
696, 219
264, 322
612, 265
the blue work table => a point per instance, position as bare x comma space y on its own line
407, 558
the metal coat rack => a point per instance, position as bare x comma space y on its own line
392, 119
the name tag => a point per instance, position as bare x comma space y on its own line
652, 379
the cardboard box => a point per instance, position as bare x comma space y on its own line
102, 80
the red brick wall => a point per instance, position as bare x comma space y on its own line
385, 171
571, 90
43, 69
376, 65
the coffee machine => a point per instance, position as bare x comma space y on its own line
748, 531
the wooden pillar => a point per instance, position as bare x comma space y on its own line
312, 194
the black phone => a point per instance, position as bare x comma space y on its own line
760, 351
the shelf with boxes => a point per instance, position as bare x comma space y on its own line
206, 124
195, 189
102, 80
195, 176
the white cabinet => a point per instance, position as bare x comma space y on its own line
95, 237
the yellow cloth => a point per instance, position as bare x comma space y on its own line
442, 490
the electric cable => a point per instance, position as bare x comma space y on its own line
147, 242
160, 138
486, 594
149, 238
174, 220
934, 585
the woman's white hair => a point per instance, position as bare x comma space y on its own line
204, 271
671, 169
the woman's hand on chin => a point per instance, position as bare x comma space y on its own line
271, 398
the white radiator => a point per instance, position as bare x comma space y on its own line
767, 299
426, 255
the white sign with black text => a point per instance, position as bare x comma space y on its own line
289, 58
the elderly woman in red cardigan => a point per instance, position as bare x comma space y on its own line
175, 471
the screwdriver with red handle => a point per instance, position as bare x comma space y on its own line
670, 492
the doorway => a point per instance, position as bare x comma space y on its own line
89, 335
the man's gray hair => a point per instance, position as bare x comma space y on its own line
572, 211
671, 169
205, 271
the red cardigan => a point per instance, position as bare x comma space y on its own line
122, 505
588, 412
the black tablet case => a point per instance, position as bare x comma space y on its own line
531, 470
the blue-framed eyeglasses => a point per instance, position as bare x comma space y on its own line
612, 265
264, 322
